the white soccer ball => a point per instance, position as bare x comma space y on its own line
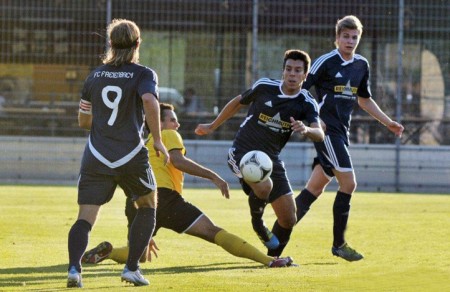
256, 166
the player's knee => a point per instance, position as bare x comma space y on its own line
316, 188
288, 222
316, 191
354, 185
262, 189
263, 193
146, 204
349, 187
147, 201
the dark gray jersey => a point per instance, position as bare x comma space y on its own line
113, 96
338, 83
267, 126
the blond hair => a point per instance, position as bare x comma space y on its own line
124, 36
349, 22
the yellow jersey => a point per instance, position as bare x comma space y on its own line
167, 176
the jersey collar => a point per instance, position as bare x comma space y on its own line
345, 63
284, 95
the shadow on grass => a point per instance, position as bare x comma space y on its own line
33, 276
204, 268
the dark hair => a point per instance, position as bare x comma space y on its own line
164, 106
297, 55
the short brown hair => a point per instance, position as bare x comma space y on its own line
164, 106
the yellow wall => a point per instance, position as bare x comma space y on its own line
41, 82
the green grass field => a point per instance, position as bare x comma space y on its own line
404, 237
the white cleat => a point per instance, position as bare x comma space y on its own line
74, 279
134, 277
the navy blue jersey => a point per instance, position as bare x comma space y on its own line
113, 95
338, 84
267, 126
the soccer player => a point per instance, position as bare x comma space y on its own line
341, 79
276, 110
174, 212
115, 99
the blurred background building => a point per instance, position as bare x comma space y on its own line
219, 48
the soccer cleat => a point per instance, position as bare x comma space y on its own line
135, 277
265, 235
282, 262
347, 253
97, 254
74, 279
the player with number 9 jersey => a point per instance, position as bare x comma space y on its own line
118, 99
112, 94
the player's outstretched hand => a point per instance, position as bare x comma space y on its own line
152, 248
222, 185
159, 147
396, 128
203, 129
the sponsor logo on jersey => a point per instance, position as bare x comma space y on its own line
274, 123
269, 103
338, 75
345, 91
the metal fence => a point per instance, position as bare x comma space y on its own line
218, 48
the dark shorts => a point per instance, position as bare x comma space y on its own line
281, 184
174, 212
333, 153
97, 182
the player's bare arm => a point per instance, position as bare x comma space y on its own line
152, 116
313, 132
230, 109
191, 167
84, 121
371, 107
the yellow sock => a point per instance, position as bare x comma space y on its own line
119, 255
240, 248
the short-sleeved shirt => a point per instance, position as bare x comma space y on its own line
115, 153
113, 95
167, 176
338, 83
267, 126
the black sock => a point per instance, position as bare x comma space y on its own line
303, 201
257, 211
341, 209
130, 212
140, 233
78, 241
257, 205
283, 235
